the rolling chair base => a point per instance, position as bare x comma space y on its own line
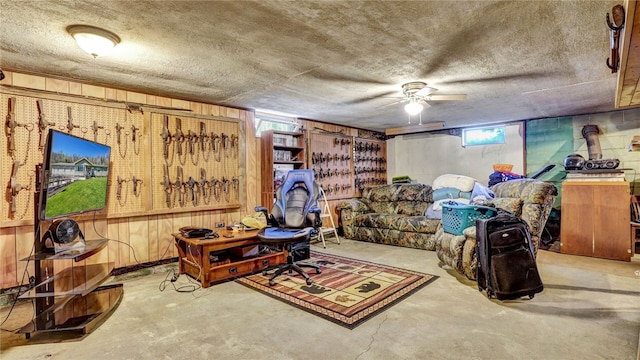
291, 266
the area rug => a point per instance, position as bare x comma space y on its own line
347, 292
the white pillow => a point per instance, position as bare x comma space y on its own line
464, 183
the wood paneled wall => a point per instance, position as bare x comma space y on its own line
135, 239
141, 237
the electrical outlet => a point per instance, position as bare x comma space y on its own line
219, 225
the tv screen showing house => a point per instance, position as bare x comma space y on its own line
76, 171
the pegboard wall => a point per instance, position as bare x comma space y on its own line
196, 162
28, 120
370, 163
124, 132
332, 163
207, 151
21, 151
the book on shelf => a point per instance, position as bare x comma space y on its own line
280, 173
284, 140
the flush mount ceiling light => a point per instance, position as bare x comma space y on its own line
93, 40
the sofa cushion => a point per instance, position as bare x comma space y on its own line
531, 192
425, 241
405, 199
409, 208
513, 205
398, 192
383, 207
458, 252
419, 224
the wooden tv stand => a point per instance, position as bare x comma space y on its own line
216, 259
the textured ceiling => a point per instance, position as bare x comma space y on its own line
334, 61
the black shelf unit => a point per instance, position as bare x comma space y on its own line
71, 299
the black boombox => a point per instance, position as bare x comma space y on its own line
601, 164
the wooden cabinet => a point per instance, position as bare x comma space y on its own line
281, 151
595, 219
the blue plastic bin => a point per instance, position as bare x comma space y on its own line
457, 217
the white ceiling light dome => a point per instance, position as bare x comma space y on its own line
414, 107
94, 40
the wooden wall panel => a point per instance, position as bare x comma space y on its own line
154, 237
332, 162
124, 244
113, 246
95, 230
147, 235
139, 239
24, 245
8, 260
165, 227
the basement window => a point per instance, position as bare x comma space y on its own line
483, 136
267, 121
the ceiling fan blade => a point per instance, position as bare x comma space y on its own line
425, 91
369, 98
444, 97
526, 75
456, 46
393, 103
324, 75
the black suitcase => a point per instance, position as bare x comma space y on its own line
506, 260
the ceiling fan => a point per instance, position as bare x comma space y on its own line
417, 96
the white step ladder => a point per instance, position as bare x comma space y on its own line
326, 213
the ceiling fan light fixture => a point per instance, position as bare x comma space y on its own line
94, 40
413, 107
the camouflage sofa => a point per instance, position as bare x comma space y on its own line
392, 215
530, 199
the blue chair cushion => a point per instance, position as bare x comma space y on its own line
281, 235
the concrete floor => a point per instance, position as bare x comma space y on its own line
590, 309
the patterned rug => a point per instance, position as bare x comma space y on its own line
347, 292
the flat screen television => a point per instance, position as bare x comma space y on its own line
75, 174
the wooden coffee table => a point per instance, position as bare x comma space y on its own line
217, 259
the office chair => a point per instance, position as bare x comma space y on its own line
294, 217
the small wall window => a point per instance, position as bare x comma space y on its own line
266, 121
483, 136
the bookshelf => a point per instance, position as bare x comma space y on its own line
281, 151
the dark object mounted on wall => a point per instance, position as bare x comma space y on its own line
618, 15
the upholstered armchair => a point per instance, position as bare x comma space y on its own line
530, 199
